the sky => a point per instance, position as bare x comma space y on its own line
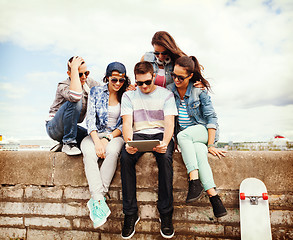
245, 47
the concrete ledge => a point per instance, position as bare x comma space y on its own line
275, 169
45, 194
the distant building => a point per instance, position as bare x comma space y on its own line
278, 143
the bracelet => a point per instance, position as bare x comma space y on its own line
107, 138
110, 136
211, 145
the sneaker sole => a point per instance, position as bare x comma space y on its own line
131, 235
221, 215
166, 236
194, 199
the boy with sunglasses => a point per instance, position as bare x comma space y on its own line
147, 113
69, 108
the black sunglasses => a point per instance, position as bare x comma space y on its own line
147, 82
115, 80
163, 53
180, 78
85, 73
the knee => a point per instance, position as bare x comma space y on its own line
181, 136
77, 106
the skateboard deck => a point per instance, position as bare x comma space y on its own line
254, 210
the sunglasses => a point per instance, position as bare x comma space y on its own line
115, 80
85, 73
147, 82
180, 78
163, 53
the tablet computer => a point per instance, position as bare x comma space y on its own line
144, 145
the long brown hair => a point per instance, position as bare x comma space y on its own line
191, 65
164, 39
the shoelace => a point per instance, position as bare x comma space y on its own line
71, 145
166, 221
98, 211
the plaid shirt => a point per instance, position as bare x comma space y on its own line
97, 111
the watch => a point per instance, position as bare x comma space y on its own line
107, 138
211, 145
110, 136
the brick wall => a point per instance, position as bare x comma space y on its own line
43, 195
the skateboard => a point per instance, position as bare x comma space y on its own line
254, 210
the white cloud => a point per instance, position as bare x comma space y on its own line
12, 91
245, 46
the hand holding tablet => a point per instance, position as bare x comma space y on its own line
144, 145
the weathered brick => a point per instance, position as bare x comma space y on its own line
146, 196
47, 222
279, 217
112, 225
114, 194
232, 231
211, 229
76, 209
137, 236
11, 192
32, 208
12, 233
281, 201
281, 233
148, 226
43, 193
11, 221
77, 193
116, 210
148, 211
61, 235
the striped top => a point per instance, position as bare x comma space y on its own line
183, 118
148, 110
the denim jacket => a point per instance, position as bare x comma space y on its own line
97, 110
150, 57
199, 107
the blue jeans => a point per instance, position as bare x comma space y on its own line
63, 127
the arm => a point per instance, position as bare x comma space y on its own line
211, 147
91, 111
168, 133
128, 133
208, 110
75, 84
100, 144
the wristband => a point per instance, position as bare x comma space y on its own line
211, 145
107, 138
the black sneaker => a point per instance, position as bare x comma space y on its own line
195, 190
167, 229
218, 207
128, 229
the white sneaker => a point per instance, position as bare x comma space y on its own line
71, 149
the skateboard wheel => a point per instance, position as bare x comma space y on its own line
265, 196
242, 196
